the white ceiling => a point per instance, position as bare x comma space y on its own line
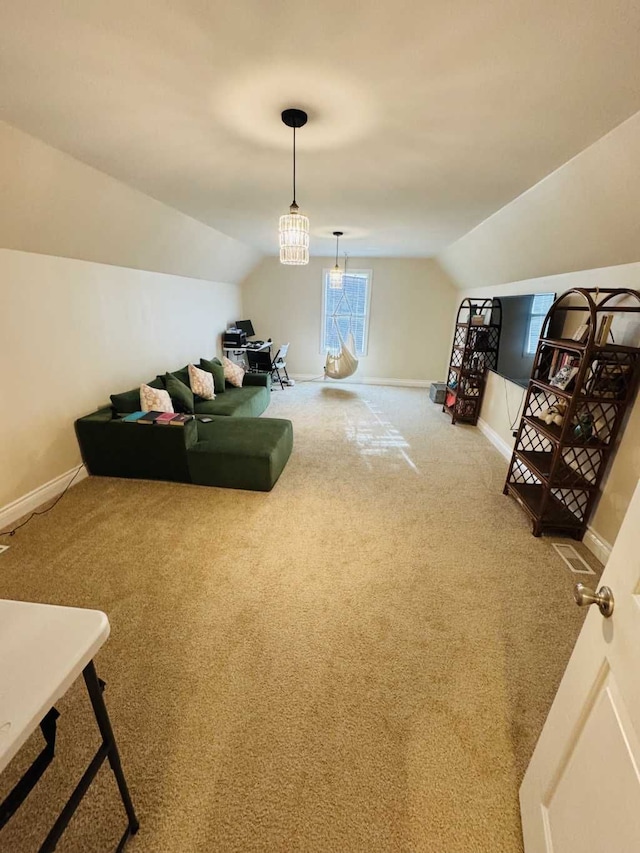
425, 117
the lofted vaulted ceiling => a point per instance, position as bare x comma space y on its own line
424, 117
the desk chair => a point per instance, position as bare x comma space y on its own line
261, 362
280, 364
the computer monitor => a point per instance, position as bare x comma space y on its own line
245, 326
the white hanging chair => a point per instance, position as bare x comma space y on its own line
344, 363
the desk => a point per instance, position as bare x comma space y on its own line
43, 649
244, 350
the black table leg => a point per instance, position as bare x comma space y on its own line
95, 688
108, 750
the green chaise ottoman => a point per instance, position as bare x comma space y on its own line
249, 453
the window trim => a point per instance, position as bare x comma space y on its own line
324, 285
526, 352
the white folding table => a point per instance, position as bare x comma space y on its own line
43, 649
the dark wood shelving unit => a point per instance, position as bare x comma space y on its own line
473, 352
556, 469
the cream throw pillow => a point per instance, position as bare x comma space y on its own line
201, 383
154, 400
233, 373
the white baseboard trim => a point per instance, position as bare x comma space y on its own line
598, 546
495, 439
366, 380
34, 499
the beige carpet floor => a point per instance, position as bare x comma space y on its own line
359, 661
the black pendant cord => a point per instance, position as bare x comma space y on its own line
337, 239
294, 167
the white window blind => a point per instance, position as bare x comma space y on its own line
346, 310
540, 305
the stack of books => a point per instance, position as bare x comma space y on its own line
162, 418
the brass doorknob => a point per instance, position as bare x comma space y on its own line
603, 598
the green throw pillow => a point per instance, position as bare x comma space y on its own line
129, 401
215, 367
182, 375
181, 395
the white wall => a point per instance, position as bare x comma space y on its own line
101, 288
52, 204
503, 398
411, 305
73, 332
583, 216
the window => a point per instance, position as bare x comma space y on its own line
346, 310
540, 304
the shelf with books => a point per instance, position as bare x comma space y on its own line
580, 388
473, 351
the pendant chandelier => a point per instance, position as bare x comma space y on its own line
294, 227
335, 276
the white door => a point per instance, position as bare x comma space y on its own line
581, 791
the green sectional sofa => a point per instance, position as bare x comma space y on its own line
237, 449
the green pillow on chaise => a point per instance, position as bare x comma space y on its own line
181, 395
214, 366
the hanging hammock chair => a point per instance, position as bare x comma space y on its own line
344, 363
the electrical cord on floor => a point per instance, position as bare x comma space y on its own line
514, 421
314, 379
48, 509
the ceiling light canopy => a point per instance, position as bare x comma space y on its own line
294, 227
335, 276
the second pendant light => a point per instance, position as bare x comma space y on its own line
336, 274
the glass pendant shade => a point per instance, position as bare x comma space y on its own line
335, 278
335, 275
294, 237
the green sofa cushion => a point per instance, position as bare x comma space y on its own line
215, 367
245, 402
181, 395
247, 453
129, 401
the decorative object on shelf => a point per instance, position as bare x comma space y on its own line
294, 227
583, 430
477, 317
554, 414
335, 276
574, 409
473, 352
564, 376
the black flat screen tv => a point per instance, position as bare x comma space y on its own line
522, 319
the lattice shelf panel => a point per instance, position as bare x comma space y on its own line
471, 386
539, 400
610, 375
532, 439
574, 500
